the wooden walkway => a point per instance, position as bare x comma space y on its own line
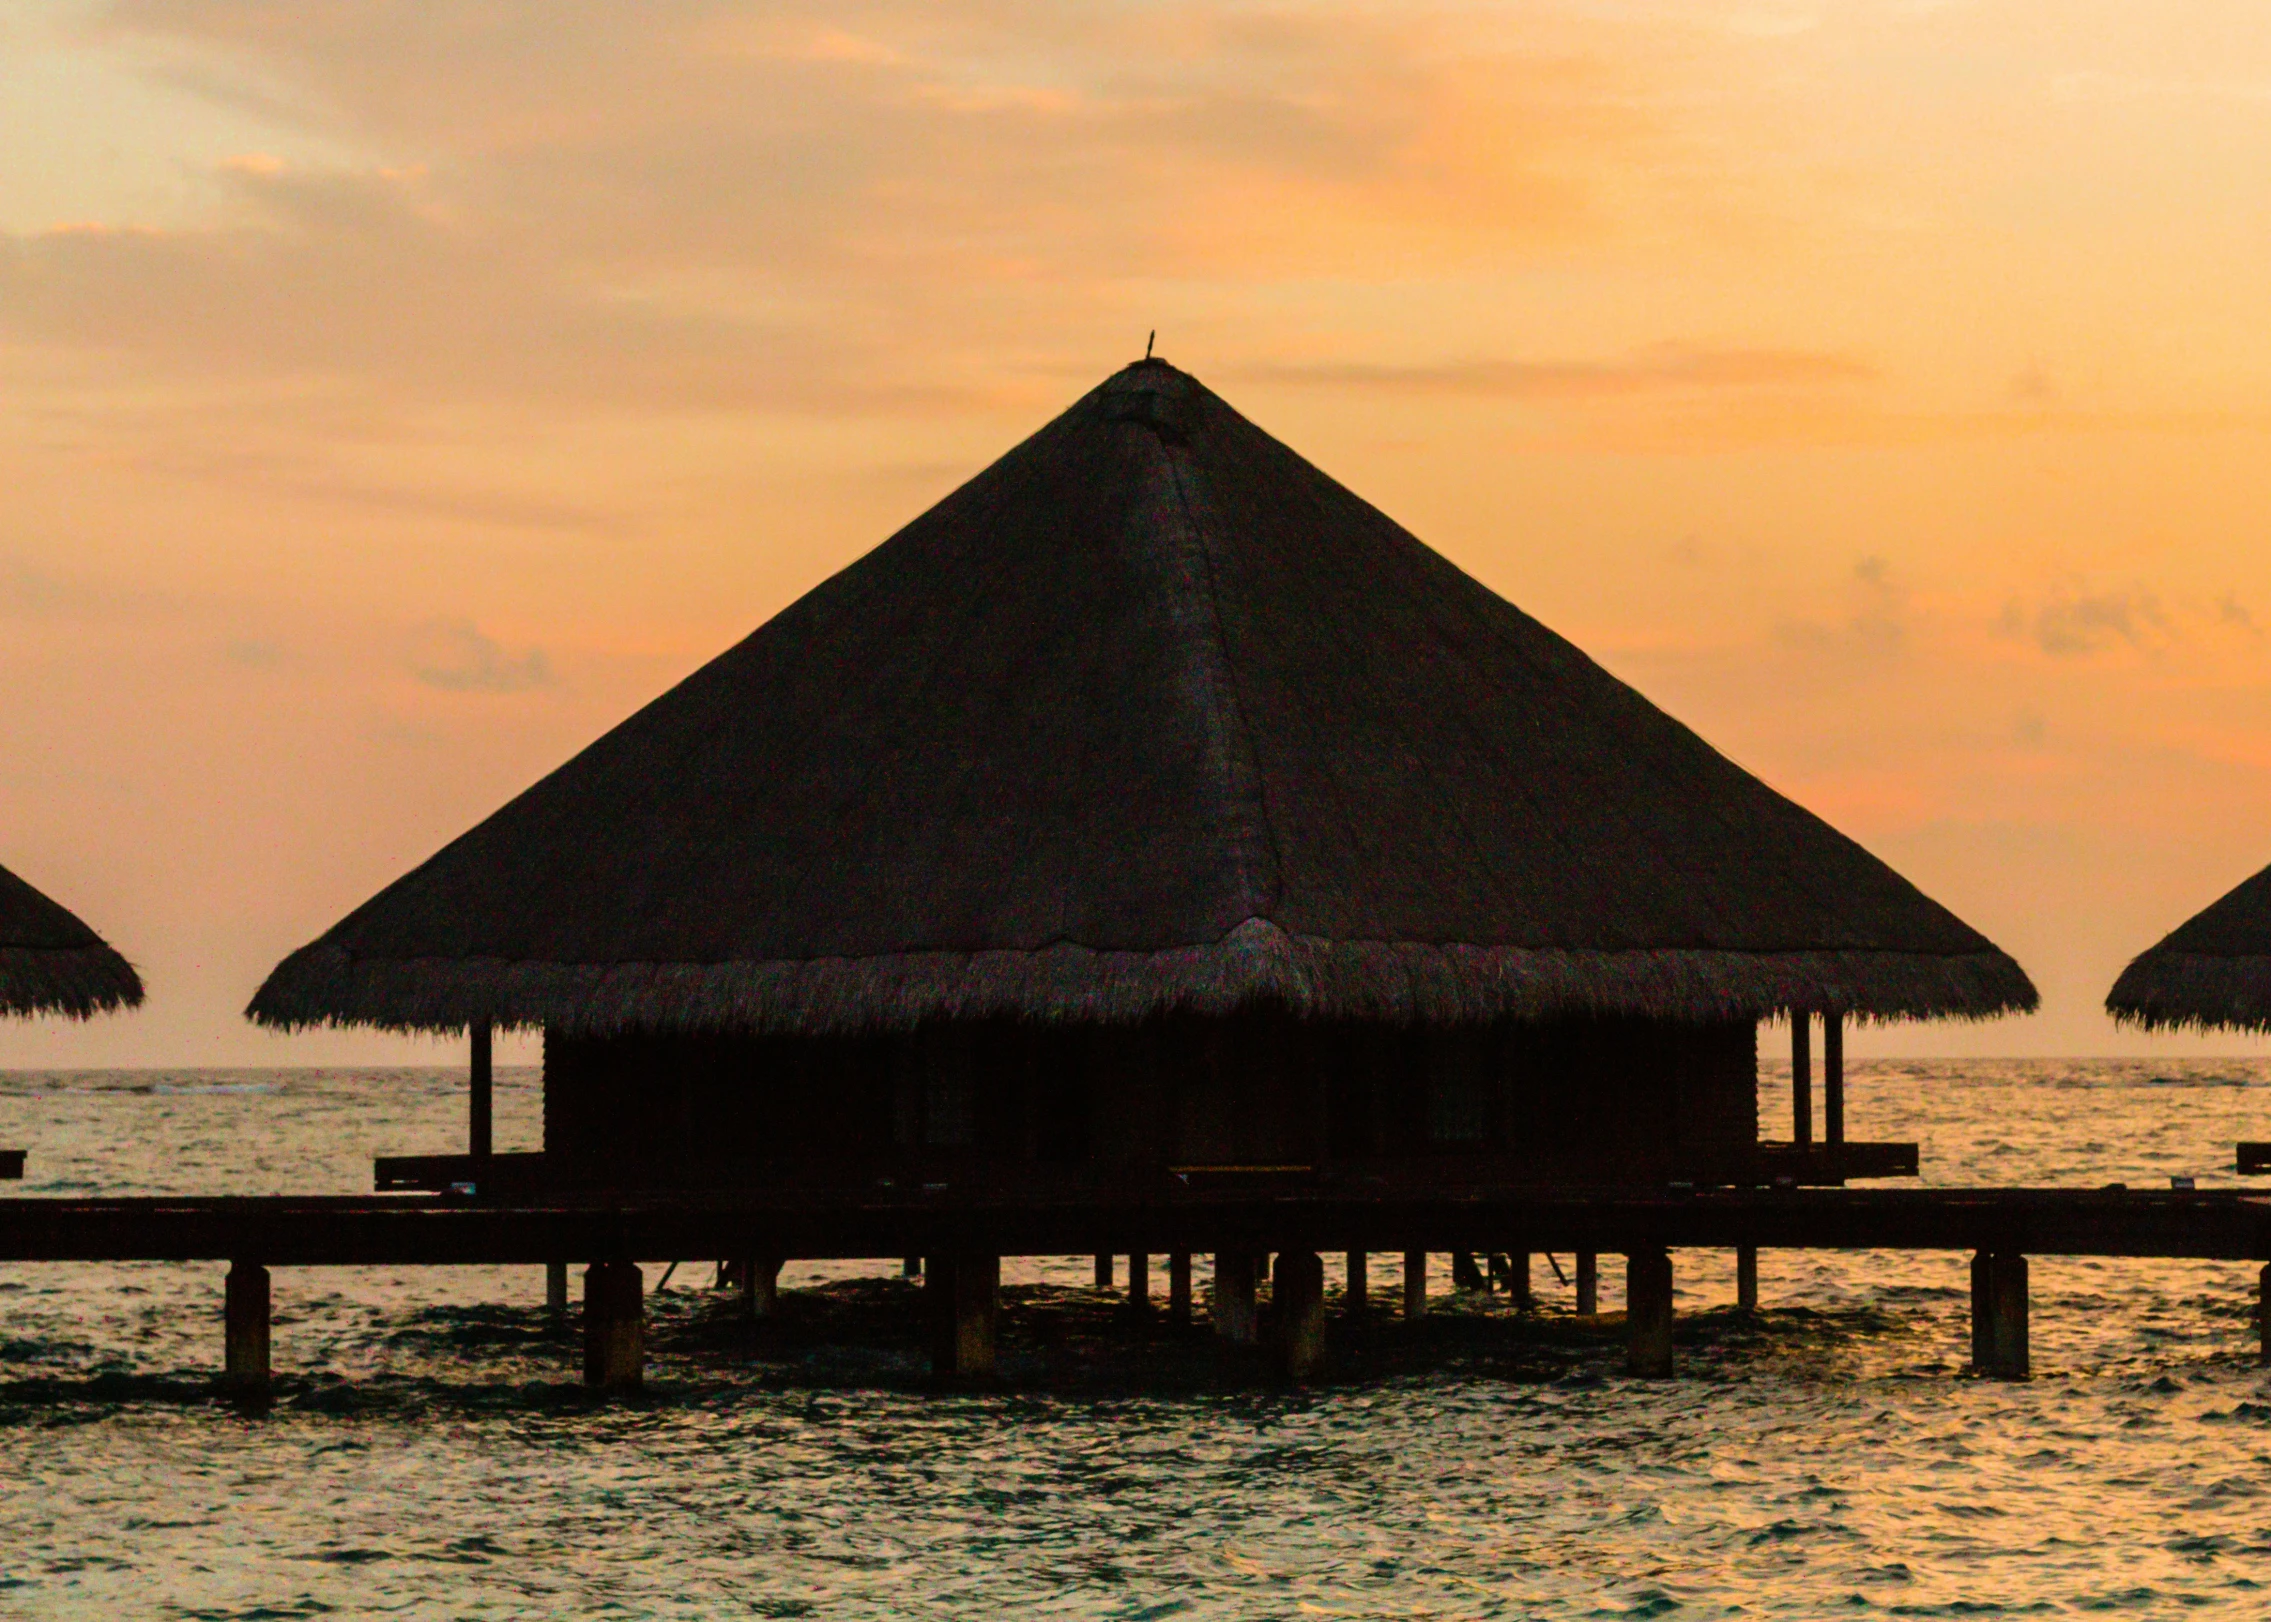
963, 1235
289, 1231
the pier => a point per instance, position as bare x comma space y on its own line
963, 1237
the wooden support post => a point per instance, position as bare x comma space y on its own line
1801, 1077
2263, 1312
1746, 1278
244, 1350
1415, 1285
556, 1286
760, 1286
1518, 1280
1648, 1313
1139, 1284
1103, 1270
1833, 1079
480, 1111
1999, 1314
1179, 1289
1356, 1299
1236, 1318
1588, 1283
615, 1326
911, 1267
1297, 1311
963, 1295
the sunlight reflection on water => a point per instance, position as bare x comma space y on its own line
431, 1455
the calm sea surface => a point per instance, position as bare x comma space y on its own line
430, 1455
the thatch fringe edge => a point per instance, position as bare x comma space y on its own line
2193, 990
78, 982
1256, 963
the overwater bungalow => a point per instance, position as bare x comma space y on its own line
51, 963
1152, 814
2211, 972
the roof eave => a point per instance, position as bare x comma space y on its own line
1256, 963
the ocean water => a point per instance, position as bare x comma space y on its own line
430, 1455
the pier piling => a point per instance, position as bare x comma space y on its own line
1179, 1289
615, 1326
1236, 1317
244, 1364
1588, 1283
1297, 1307
1139, 1284
1415, 1285
1746, 1278
760, 1286
1999, 1314
963, 1292
1103, 1270
1356, 1299
1648, 1313
2263, 1312
556, 1286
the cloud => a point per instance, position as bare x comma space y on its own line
456, 657
710, 206
1875, 625
1659, 367
2072, 623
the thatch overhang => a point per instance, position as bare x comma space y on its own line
1151, 715
2212, 972
51, 963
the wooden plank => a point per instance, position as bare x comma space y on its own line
398, 1230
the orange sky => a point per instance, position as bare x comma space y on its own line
394, 395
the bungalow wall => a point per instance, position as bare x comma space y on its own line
1065, 1106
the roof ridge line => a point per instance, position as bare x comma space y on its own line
1249, 838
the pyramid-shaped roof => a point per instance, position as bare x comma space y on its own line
2212, 971
1150, 714
50, 963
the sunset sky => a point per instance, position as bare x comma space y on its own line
395, 395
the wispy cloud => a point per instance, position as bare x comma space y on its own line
2071, 622
456, 656
1659, 367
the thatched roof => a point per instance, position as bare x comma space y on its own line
2214, 970
1151, 714
50, 963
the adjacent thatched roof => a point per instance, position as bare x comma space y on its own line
2212, 971
1149, 714
50, 963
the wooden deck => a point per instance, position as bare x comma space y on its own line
964, 1232
2223, 1224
